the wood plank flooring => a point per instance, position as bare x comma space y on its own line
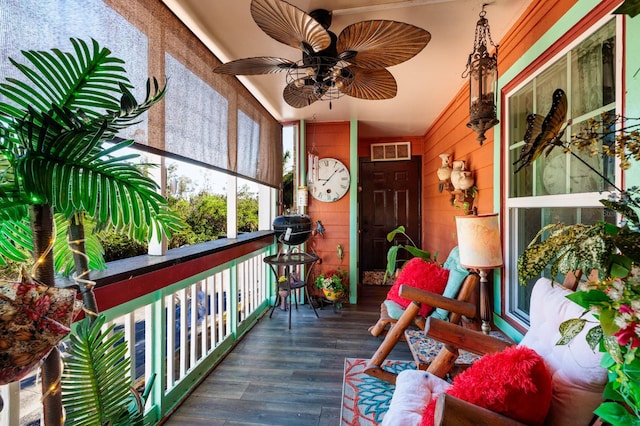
277, 376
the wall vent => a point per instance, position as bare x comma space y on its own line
391, 151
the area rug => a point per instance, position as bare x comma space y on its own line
365, 399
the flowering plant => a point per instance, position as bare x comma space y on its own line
615, 302
613, 251
334, 280
613, 296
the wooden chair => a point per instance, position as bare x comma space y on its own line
388, 319
460, 309
578, 380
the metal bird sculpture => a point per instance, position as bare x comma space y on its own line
353, 63
544, 133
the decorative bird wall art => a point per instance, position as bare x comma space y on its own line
544, 133
353, 63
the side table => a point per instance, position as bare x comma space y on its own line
289, 260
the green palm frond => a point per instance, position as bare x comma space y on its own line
54, 130
96, 383
16, 242
90, 80
63, 259
68, 168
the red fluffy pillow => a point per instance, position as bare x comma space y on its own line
514, 382
420, 274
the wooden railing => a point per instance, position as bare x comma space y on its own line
180, 313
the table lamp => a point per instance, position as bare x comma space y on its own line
480, 248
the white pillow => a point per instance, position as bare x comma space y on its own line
414, 390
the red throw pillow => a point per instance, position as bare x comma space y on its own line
514, 382
420, 274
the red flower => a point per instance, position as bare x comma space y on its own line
627, 335
625, 309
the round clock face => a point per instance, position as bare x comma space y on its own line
333, 180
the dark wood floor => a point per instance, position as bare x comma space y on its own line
277, 376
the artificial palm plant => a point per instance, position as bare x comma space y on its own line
100, 391
59, 155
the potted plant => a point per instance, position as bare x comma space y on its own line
56, 167
392, 254
614, 252
334, 284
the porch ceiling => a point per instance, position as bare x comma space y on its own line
426, 83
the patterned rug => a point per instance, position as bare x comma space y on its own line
365, 399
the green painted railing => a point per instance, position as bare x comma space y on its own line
181, 313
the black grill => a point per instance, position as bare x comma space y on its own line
292, 229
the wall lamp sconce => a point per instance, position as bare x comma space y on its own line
482, 71
459, 182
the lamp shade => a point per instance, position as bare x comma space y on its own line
479, 241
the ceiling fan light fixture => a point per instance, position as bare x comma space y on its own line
353, 63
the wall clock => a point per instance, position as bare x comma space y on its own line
333, 180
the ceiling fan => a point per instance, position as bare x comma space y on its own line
353, 63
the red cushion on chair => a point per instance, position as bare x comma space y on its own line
514, 382
420, 274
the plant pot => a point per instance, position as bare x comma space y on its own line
331, 294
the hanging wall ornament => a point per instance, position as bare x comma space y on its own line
312, 159
34, 318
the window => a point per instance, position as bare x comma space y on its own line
559, 187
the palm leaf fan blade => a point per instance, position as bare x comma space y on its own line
373, 84
289, 25
382, 43
300, 97
253, 66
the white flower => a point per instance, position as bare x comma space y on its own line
621, 321
618, 284
615, 294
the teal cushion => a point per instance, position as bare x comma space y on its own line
457, 274
393, 309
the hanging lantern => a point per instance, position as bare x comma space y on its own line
482, 70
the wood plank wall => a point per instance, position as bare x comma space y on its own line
449, 134
330, 140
